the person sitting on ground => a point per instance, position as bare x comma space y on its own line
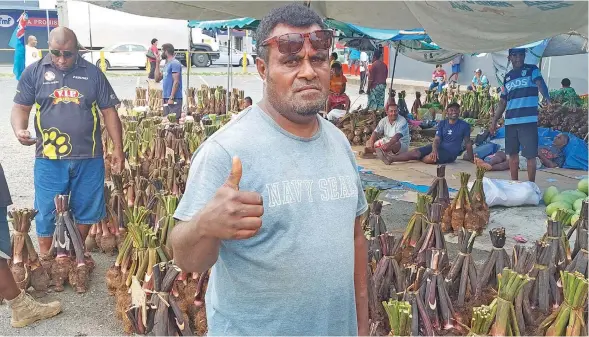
391, 134
337, 88
247, 102
479, 80
438, 78
332, 59
450, 135
550, 156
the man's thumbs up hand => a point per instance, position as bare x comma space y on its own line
232, 214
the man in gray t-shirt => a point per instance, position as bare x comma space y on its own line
273, 201
391, 134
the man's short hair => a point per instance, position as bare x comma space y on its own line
377, 54
565, 82
334, 55
154, 40
453, 105
293, 14
438, 65
169, 48
248, 99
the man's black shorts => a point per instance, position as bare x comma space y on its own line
173, 109
524, 135
444, 157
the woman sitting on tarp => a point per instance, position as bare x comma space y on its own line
566, 94
337, 89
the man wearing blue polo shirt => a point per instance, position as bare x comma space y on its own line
519, 101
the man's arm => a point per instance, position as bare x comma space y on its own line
176, 73
498, 113
545, 161
360, 282
543, 89
21, 110
199, 253
113, 126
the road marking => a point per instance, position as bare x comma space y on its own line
202, 79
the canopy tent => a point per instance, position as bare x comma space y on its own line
241, 23
351, 31
461, 26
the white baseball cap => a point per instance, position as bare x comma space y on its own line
478, 70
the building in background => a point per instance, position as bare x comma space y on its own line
37, 25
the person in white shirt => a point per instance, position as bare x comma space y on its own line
391, 134
31, 51
363, 70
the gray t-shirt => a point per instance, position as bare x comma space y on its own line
296, 275
5, 199
389, 130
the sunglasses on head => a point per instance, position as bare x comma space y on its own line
58, 53
292, 43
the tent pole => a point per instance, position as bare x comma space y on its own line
188, 65
228, 69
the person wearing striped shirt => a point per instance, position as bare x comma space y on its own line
519, 101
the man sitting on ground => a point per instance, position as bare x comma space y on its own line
550, 156
447, 145
479, 80
390, 136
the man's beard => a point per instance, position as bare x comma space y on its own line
289, 107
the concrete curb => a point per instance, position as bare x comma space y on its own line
409, 86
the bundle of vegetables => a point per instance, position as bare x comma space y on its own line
421, 324
569, 319
499, 319
432, 238
565, 119
545, 293
463, 269
479, 204
461, 213
560, 250
523, 260
70, 262
156, 101
358, 127
400, 318
191, 95
109, 229
402, 105
496, 261
374, 225
416, 104
25, 264
439, 307
236, 99
140, 97
580, 251
443, 98
376, 313
418, 223
388, 277
374, 252
438, 190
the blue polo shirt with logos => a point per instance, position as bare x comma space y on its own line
67, 118
521, 93
171, 67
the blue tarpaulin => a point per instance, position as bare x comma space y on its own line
576, 153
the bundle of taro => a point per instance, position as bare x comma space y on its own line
437, 301
569, 319
499, 319
439, 188
374, 225
388, 277
70, 262
403, 110
560, 250
140, 97
418, 223
496, 261
104, 234
479, 204
416, 104
376, 314
400, 318
432, 238
545, 293
156, 101
25, 265
523, 260
460, 213
236, 99
463, 272
421, 324
191, 95
580, 251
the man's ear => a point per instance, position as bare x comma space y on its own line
262, 67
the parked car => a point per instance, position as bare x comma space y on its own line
123, 55
236, 57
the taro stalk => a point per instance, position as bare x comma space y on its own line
496, 261
479, 204
439, 307
502, 308
463, 269
421, 324
482, 318
375, 252
118, 206
375, 310
432, 238
560, 251
169, 319
374, 225
418, 223
523, 260
169, 204
399, 314
132, 148
569, 319
580, 252
388, 278
135, 316
439, 188
545, 293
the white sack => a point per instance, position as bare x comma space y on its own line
499, 192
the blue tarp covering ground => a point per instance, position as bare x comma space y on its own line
576, 153
369, 179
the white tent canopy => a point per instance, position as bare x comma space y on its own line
461, 26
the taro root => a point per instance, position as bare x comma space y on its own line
496, 261
90, 242
25, 265
418, 223
460, 213
463, 274
479, 203
439, 188
432, 238
107, 241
